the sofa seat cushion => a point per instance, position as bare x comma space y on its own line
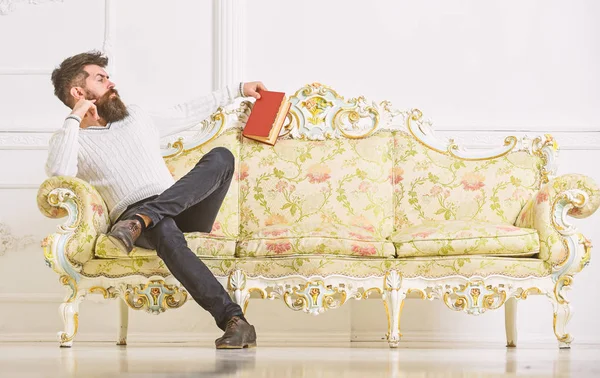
268, 267
314, 239
202, 244
447, 238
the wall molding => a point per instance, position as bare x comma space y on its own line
8, 241
229, 42
18, 186
8, 6
567, 139
24, 140
110, 27
108, 45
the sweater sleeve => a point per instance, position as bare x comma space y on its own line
63, 150
188, 114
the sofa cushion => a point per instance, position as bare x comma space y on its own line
431, 185
465, 238
340, 181
268, 267
202, 244
315, 239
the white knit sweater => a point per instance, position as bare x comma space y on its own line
123, 160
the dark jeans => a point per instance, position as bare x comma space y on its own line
191, 205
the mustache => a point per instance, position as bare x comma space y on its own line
106, 97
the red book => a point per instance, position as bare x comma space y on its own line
267, 117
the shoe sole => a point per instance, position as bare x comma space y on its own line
119, 244
243, 346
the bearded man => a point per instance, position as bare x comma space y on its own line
116, 149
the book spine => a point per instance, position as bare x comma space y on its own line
281, 105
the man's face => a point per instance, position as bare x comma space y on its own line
108, 102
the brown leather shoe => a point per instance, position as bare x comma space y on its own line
238, 334
124, 234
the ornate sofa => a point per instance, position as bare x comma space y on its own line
356, 199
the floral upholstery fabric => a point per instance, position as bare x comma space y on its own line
227, 222
465, 238
202, 244
309, 239
537, 213
430, 267
92, 215
345, 206
430, 185
341, 182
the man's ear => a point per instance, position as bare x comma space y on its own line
77, 93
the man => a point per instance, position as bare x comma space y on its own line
116, 149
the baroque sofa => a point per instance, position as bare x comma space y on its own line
356, 199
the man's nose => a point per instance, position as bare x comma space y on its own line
111, 85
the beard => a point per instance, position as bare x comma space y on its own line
110, 107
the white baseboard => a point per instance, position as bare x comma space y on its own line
32, 298
494, 337
313, 338
461, 337
180, 337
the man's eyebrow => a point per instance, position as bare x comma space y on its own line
102, 75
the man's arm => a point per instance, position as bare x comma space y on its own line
64, 144
63, 149
187, 115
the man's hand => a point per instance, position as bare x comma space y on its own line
85, 107
251, 89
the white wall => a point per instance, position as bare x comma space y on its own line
480, 71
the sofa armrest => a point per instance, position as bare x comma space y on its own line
560, 244
73, 243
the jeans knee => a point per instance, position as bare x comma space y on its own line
226, 157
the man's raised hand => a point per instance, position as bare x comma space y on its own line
85, 107
251, 89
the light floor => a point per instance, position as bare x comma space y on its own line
347, 360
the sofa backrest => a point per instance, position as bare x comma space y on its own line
351, 162
340, 182
432, 185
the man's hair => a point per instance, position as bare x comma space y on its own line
70, 73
